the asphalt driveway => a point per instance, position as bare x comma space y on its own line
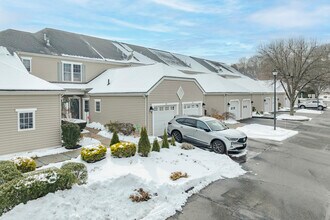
285, 180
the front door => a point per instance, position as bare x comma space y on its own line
75, 108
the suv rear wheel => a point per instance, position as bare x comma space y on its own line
302, 107
177, 136
218, 147
320, 107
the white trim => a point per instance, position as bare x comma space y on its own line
83, 108
162, 104
97, 100
30, 59
238, 117
194, 102
72, 76
26, 110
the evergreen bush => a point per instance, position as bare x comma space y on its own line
8, 171
92, 154
79, 170
70, 135
123, 149
155, 146
144, 143
165, 140
173, 141
25, 164
114, 139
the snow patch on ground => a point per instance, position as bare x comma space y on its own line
133, 139
267, 132
96, 125
309, 111
230, 121
85, 141
112, 180
36, 153
293, 117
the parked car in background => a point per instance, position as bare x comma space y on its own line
320, 105
208, 132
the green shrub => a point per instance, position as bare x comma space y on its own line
70, 135
173, 141
119, 127
114, 139
155, 146
33, 185
165, 140
144, 143
92, 154
79, 170
8, 171
25, 164
123, 149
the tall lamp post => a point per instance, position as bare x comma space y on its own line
274, 74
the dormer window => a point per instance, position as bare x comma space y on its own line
71, 72
27, 63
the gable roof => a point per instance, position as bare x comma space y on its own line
14, 76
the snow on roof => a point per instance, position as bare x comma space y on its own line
14, 75
194, 66
125, 49
269, 84
139, 79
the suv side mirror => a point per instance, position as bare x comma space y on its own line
207, 130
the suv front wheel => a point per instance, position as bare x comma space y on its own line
177, 136
320, 107
218, 147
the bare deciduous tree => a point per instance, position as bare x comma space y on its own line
298, 62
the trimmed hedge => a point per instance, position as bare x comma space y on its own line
70, 135
25, 164
93, 153
79, 170
33, 185
123, 149
8, 171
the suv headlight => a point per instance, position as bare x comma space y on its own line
232, 139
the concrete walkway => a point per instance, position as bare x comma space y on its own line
60, 157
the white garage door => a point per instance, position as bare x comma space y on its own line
267, 107
234, 108
192, 108
162, 114
246, 108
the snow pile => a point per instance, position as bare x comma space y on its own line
73, 120
133, 139
309, 111
96, 125
86, 141
267, 132
293, 117
230, 121
113, 180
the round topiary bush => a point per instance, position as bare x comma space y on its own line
79, 170
123, 149
8, 171
70, 135
25, 164
93, 153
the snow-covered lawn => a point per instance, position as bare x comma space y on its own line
254, 114
309, 111
293, 117
112, 180
258, 131
96, 125
230, 121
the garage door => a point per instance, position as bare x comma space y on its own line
192, 109
246, 108
267, 107
234, 108
162, 114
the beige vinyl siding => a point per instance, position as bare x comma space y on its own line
130, 109
258, 102
46, 67
215, 103
166, 92
47, 123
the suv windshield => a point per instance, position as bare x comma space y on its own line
216, 125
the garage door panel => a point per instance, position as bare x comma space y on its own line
192, 108
234, 108
162, 114
246, 108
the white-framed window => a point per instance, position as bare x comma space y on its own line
71, 72
26, 119
27, 62
97, 105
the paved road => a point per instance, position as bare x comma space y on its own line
288, 180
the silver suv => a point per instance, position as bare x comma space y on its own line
208, 132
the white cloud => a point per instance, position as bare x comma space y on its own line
292, 16
178, 5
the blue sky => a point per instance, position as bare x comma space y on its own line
222, 30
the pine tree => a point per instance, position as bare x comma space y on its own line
144, 143
155, 146
114, 139
173, 141
165, 141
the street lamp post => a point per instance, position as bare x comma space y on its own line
274, 74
